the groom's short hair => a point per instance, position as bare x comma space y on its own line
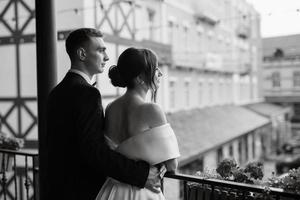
78, 38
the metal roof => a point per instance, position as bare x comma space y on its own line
199, 130
268, 109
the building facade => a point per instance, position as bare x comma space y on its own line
215, 53
281, 74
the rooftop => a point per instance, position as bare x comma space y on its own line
268, 109
199, 130
288, 44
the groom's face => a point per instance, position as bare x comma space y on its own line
96, 56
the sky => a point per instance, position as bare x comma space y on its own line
278, 17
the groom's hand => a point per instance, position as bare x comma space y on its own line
154, 179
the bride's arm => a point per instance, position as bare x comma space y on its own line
157, 117
171, 165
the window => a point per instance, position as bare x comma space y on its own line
263, 145
275, 79
231, 150
151, 14
240, 152
186, 35
170, 31
253, 145
228, 92
246, 147
200, 93
210, 92
171, 26
219, 155
199, 29
221, 93
216, 92
296, 79
210, 34
187, 93
172, 94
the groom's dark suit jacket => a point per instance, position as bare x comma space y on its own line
78, 159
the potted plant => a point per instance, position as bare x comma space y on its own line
10, 143
289, 182
228, 170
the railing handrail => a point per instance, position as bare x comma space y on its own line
231, 184
23, 152
25, 171
190, 178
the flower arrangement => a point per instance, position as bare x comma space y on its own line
11, 143
229, 170
226, 168
290, 182
252, 173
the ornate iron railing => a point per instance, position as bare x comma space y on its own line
19, 180
18, 175
197, 188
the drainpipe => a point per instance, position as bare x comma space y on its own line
46, 38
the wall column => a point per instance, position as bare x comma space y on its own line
46, 37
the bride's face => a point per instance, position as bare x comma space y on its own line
157, 76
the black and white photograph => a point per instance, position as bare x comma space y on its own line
149, 100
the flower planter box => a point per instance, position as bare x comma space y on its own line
204, 192
198, 192
203, 188
6, 162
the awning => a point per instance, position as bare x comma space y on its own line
199, 130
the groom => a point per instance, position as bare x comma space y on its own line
78, 158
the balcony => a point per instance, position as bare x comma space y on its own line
19, 178
18, 175
196, 188
207, 18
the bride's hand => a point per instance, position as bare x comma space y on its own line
154, 178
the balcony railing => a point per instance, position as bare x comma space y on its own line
19, 180
18, 175
197, 188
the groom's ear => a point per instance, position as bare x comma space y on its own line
81, 53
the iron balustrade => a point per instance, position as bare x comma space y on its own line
18, 175
198, 188
19, 180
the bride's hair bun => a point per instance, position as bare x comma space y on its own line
115, 77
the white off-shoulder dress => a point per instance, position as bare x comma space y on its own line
154, 145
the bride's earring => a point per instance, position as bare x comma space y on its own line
140, 81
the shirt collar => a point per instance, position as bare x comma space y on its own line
82, 74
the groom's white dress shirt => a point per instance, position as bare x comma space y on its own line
82, 74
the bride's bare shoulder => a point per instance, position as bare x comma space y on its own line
115, 104
152, 114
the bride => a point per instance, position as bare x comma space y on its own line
136, 128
